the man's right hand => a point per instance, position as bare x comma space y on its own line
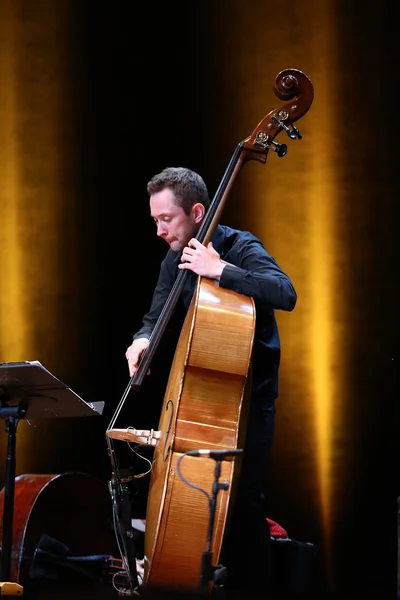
134, 353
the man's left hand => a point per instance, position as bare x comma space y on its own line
202, 260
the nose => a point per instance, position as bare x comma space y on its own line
161, 229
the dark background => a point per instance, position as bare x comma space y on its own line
159, 87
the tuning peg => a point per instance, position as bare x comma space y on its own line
262, 142
295, 133
292, 133
280, 149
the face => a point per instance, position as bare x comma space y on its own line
173, 225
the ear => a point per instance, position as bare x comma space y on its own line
198, 211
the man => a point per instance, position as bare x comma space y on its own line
239, 262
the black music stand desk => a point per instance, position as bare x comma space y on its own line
29, 391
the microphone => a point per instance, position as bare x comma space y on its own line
215, 454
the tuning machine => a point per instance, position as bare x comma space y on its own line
280, 119
261, 141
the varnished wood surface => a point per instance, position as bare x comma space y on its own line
71, 508
204, 407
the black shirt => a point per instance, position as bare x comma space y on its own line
255, 274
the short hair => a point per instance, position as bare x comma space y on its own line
187, 186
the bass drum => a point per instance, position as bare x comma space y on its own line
72, 508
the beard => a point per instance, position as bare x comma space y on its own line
177, 246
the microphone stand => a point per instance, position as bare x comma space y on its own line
208, 571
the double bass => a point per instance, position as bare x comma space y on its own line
206, 400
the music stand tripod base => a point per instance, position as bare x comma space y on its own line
11, 589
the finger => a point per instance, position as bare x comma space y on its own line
132, 359
133, 369
194, 243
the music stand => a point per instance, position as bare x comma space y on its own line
29, 391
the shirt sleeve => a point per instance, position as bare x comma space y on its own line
257, 274
165, 282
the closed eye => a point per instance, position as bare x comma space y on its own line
162, 219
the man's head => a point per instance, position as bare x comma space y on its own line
178, 202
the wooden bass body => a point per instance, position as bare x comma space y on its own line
205, 407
